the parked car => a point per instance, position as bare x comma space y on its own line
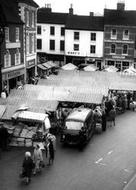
79, 127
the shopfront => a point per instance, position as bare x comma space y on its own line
30, 69
10, 79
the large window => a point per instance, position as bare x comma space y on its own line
113, 48
62, 31
92, 49
52, 30
6, 34
93, 36
39, 44
33, 19
17, 34
52, 44
125, 35
39, 30
17, 57
125, 49
27, 18
62, 45
76, 35
113, 34
7, 59
76, 47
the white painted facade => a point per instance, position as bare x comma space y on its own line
84, 43
46, 37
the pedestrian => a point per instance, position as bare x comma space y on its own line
51, 152
104, 123
27, 166
37, 158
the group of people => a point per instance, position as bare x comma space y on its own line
33, 164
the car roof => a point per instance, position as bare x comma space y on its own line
79, 114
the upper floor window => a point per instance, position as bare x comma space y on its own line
93, 36
27, 18
32, 43
62, 31
17, 57
39, 44
6, 34
76, 47
33, 19
39, 30
113, 48
27, 44
113, 34
62, 45
92, 49
17, 34
52, 30
52, 44
125, 49
7, 59
76, 35
125, 35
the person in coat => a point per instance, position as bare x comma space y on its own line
37, 158
51, 152
27, 166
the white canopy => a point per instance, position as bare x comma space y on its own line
69, 66
130, 70
90, 68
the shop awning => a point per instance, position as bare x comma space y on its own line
47, 65
42, 67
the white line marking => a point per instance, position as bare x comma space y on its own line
110, 152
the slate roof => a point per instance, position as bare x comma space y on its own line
85, 22
29, 2
118, 17
45, 15
11, 12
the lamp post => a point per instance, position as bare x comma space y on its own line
1, 41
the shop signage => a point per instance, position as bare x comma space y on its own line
31, 62
118, 57
13, 74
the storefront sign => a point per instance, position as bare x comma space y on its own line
31, 62
118, 57
13, 74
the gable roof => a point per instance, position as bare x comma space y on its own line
85, 22
29, 2
44, 15
119, 17
11, 12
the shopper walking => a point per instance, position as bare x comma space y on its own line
51, 152
37, 158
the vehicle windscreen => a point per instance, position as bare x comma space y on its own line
74, 125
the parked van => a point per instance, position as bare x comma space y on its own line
79, 126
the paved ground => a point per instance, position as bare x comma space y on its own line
108, 162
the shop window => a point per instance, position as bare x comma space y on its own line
62, 45
125, 65
113, 34
52, 30
7, 59
125, 49
17, 34
52, 44
76, 35
92, 49
39, 44
6, 34
113, 48
76, 47
93, 36
17, 57
39, 31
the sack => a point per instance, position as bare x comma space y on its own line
42, 164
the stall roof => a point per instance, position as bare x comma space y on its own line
2, 110
42, 67
47, 65
69, 66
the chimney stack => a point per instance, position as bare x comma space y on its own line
121, 6
91, 13
71, 9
